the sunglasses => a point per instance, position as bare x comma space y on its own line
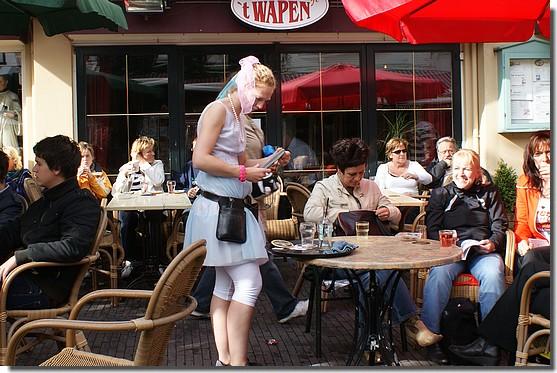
400, 151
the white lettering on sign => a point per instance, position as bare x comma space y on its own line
279, 14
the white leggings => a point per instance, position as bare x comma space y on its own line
241, 283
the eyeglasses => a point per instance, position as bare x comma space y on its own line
400, 151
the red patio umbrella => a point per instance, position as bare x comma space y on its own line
338, 87
452, 21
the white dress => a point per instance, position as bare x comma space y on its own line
202, 219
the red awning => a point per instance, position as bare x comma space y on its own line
452, 21
338, 87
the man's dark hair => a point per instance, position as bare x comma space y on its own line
349, 153
60, 154
4, 164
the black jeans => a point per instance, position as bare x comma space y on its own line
25, 294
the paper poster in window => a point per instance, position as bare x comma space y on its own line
541, 101
521, 110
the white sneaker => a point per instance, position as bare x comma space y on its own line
300, 310
126, 270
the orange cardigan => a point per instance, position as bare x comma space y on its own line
525, 213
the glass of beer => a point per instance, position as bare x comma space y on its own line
447, 237
362, 228
170, 186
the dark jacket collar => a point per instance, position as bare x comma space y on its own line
476, 188
61, 189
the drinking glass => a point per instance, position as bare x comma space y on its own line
362, 228
307, 232
325, 232
170, 186
447, 237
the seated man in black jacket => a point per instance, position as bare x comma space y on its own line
440, 168
60, 227
11, 205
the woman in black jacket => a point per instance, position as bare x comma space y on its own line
477, 214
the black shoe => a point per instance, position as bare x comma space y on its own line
436, 354
478, 352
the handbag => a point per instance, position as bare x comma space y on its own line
345, 224
231, 223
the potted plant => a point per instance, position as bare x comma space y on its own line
505, 179
397, 124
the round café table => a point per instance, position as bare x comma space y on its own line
378, 253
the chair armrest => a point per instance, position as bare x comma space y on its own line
138, 324
33, 265
527, 293
107, 293
510, 250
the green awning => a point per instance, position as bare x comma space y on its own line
59, 16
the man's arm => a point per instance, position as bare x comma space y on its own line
78, 226
437, 172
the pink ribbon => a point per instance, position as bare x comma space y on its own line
245, 82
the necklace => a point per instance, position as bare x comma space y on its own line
234, 110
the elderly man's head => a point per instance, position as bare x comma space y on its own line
446, 147
350, 157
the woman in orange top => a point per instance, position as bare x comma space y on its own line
89, 175
533, 223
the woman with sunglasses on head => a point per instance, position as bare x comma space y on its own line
400, 175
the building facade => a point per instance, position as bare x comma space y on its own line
334, 80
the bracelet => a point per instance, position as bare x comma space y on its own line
243, 173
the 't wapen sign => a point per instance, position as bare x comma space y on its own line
279, 14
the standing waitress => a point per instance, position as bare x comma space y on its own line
224, 171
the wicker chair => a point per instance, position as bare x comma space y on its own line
112, 252
465, 285
169, 302
284, 229
297, 196
20, 317
524, 347
32, 189
175, 239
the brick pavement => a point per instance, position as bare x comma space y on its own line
192, 344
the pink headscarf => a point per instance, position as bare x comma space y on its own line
245, 82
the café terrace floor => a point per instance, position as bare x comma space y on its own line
192, 345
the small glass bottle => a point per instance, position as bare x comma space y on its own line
325, 231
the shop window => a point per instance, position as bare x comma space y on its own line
126, 97
414, 101
320, 98
205, 75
